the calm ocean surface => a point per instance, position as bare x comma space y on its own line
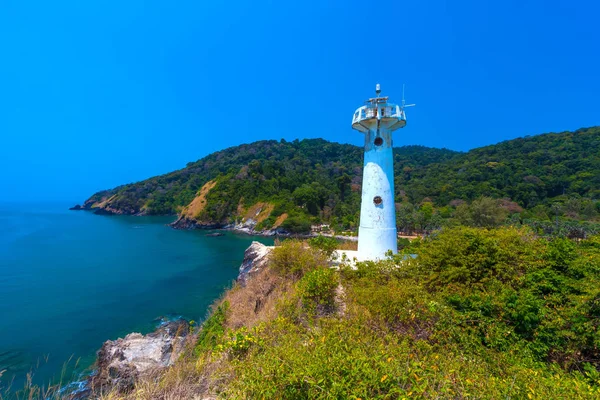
70, 280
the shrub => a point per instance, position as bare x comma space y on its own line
400, 304
212, 329
403, 243
327, 245
297, 224
561, 254
266, 224
317, 290
293, 259
475, 257
351, 359
241, 340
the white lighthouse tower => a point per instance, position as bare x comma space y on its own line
377, 120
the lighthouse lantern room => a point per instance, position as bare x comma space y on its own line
377, 119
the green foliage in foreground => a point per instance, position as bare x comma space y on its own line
317, 290
212, 329
293, 259
348, 359
478, 314
328, 245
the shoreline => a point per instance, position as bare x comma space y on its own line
185, 224
69, 365
119, 363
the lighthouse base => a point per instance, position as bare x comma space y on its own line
374, 243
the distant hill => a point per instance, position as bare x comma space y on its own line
292, 184
528, 170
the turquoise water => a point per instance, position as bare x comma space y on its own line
70, 280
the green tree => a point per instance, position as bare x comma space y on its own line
487, 213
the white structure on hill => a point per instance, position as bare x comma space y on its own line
377, 120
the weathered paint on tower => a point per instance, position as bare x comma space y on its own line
377, 232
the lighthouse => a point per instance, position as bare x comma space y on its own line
377, 119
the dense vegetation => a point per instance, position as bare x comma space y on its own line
551, 179
529, 170
480, 313
320, 173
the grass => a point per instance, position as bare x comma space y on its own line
194, 209
51, 391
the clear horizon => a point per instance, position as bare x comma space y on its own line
98, 95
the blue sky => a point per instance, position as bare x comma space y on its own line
98, 93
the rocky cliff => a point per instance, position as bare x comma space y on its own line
122, 362
256, 257
248, 220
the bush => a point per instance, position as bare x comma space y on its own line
293, 259
327, 245
400, 304
212, 329
350, 359
317, 290
561, 254
297, 224
241, 340
403, 243
475, 257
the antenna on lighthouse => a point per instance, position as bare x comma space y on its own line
403, 96
404, 101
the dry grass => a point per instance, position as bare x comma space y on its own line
194, 209
410, 237
189, 378
240, 207
259, 212
348, 245
104, 202
254, 303
279, 220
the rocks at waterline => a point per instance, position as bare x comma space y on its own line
256, 257
215, 234
123, 361
185, 223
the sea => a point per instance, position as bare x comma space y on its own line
70, 280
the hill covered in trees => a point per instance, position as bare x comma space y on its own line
294, 184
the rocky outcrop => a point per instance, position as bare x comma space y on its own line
247, 227
255, 258
87, 206
121, 362
246, 219
107, 203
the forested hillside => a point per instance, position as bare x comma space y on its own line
313, 175
294, 184
528, 170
